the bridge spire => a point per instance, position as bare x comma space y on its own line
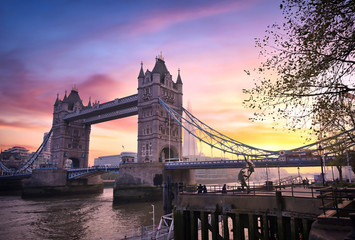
89, 103
178, 77
141, 73
65, 96
57, 100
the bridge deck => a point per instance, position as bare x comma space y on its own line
111, 107
259, 163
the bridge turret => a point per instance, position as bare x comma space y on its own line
178, 86
70, 140
159, 137
141, 76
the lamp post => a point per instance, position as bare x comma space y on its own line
321, 155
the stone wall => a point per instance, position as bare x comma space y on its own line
186, 176
140, 174
47, 177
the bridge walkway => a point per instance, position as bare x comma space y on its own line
260, 190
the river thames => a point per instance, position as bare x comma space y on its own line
79, 217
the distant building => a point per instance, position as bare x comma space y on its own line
44, 158
14, 157
128, 157
115, 160
189, 148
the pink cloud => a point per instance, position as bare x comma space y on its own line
120, 125
160, 20
21, 124
99, 87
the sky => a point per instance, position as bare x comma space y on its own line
48, 47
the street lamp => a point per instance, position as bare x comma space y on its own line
320, 151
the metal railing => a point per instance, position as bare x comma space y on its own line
294, 190
164, 231
337, 202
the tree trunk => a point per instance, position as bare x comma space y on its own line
340, 170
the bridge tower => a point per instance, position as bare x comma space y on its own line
159, 136
70, 140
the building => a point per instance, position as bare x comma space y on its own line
115, 160
15, 157
159, 136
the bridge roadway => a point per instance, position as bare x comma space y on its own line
118, 108
259, 163
210, 164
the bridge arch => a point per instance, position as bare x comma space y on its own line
72, 162
168, 153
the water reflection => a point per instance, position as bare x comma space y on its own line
84, 217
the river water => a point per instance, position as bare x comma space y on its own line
80, 217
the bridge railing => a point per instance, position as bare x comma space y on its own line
258, 189
337, 202
80, 172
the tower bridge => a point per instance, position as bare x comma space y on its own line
156, 139
161, 120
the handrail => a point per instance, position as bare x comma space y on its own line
338, 200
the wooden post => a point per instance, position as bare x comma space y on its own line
204, 226
306, 229
215, 226
251, 228
280, 227
293, 228
238, 231
179, 228
265, 227
225, 227
194, 225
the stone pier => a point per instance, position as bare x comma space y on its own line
144, 181
53, 182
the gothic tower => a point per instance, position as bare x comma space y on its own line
70, 140
159, 136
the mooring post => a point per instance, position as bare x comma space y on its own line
176, 192
167, 196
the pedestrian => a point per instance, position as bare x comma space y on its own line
304, 183
307, 182
224, 189
204, 189
199, 188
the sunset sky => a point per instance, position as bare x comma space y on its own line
47, 47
